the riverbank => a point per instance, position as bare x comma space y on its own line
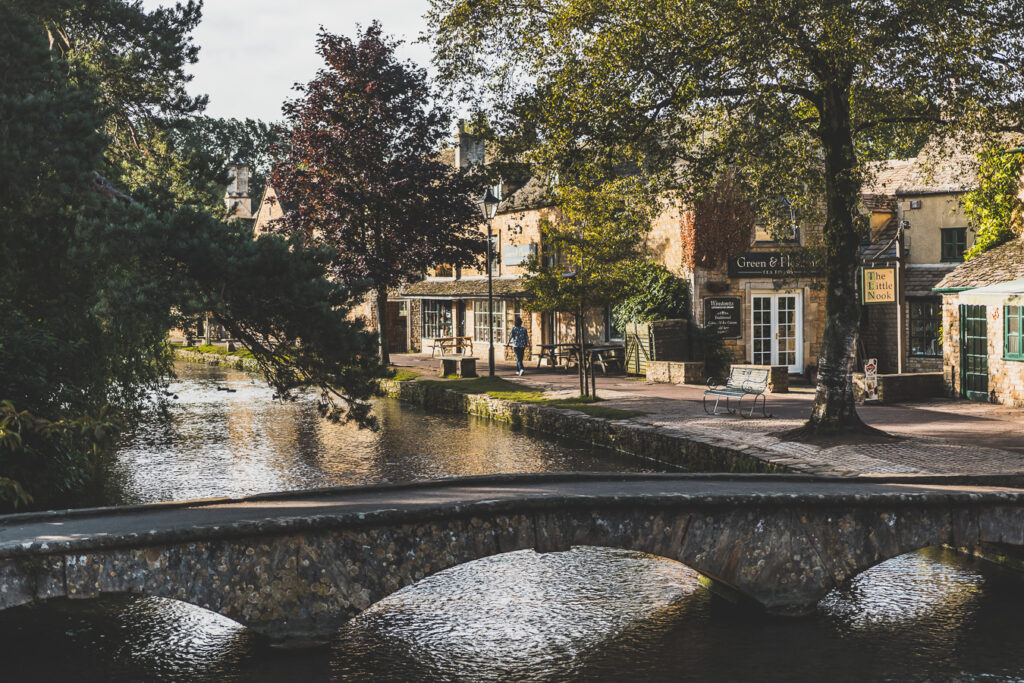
665, 446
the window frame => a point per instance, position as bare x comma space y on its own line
943, 232
937, 325
1019, 317
439, 318
480, 312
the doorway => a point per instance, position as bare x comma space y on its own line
777, 323
974, 352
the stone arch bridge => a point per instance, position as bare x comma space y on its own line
295, 566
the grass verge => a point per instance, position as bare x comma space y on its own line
241, 352
499, 387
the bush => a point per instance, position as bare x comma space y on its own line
654, 294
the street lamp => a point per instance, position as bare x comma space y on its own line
489, 207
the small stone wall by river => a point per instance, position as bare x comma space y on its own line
237, 362
644, 441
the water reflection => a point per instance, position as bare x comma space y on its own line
212, 442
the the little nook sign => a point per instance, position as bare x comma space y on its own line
765, 264
878, 286
722, 314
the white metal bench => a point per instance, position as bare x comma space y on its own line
742, 381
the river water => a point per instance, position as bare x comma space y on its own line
588, 614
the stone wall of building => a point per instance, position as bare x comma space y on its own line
1005, 377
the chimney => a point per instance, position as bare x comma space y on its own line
236, 197
468, 149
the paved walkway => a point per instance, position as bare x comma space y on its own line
940, 436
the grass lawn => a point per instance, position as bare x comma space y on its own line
404, 374
499, 387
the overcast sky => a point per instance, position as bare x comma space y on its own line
253, 51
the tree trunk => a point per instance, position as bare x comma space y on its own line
579, 359
834, 407
382, 325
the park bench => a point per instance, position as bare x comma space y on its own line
742, 381
463, 366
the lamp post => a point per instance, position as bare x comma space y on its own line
489, 207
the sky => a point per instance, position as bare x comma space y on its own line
253, 51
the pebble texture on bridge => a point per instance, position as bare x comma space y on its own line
296, 566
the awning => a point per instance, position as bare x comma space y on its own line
465, 288
1011, 290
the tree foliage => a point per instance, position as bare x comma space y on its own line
93, 278
590, 249
796, 95
652, 293
362, 174
994, 207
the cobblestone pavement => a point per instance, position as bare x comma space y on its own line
938, 436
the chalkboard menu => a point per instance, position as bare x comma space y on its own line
723, 315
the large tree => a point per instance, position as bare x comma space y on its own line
363, 173
794, 95
93, 276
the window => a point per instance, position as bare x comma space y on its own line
480, 332
1013, 334
954, 244
611, 332
444, 270
437, 319
925, 323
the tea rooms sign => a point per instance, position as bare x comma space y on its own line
765, 264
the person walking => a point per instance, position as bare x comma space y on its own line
519, 339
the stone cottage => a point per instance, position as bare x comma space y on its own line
983, 326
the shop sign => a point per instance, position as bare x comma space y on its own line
723, 315
878, 286
765, 264
871, 379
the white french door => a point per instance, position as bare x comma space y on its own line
777, 323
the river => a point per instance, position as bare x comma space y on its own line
589, 614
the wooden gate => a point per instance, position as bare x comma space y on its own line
974, 352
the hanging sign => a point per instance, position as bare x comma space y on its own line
871, 379
878, 286
723, 315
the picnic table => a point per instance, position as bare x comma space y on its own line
607, 354
446, 345
565, 355
557, 354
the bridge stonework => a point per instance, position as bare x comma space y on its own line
295, 569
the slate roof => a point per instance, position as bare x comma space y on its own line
921, 175
883, 247
921, 278
534, 194
1004, 263
465, 288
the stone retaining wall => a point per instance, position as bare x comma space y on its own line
663, 445
676, 372
237, 362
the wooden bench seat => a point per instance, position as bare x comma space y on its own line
742, 381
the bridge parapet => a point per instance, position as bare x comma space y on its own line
297, 566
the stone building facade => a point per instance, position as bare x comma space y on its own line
983, 326
919, 229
